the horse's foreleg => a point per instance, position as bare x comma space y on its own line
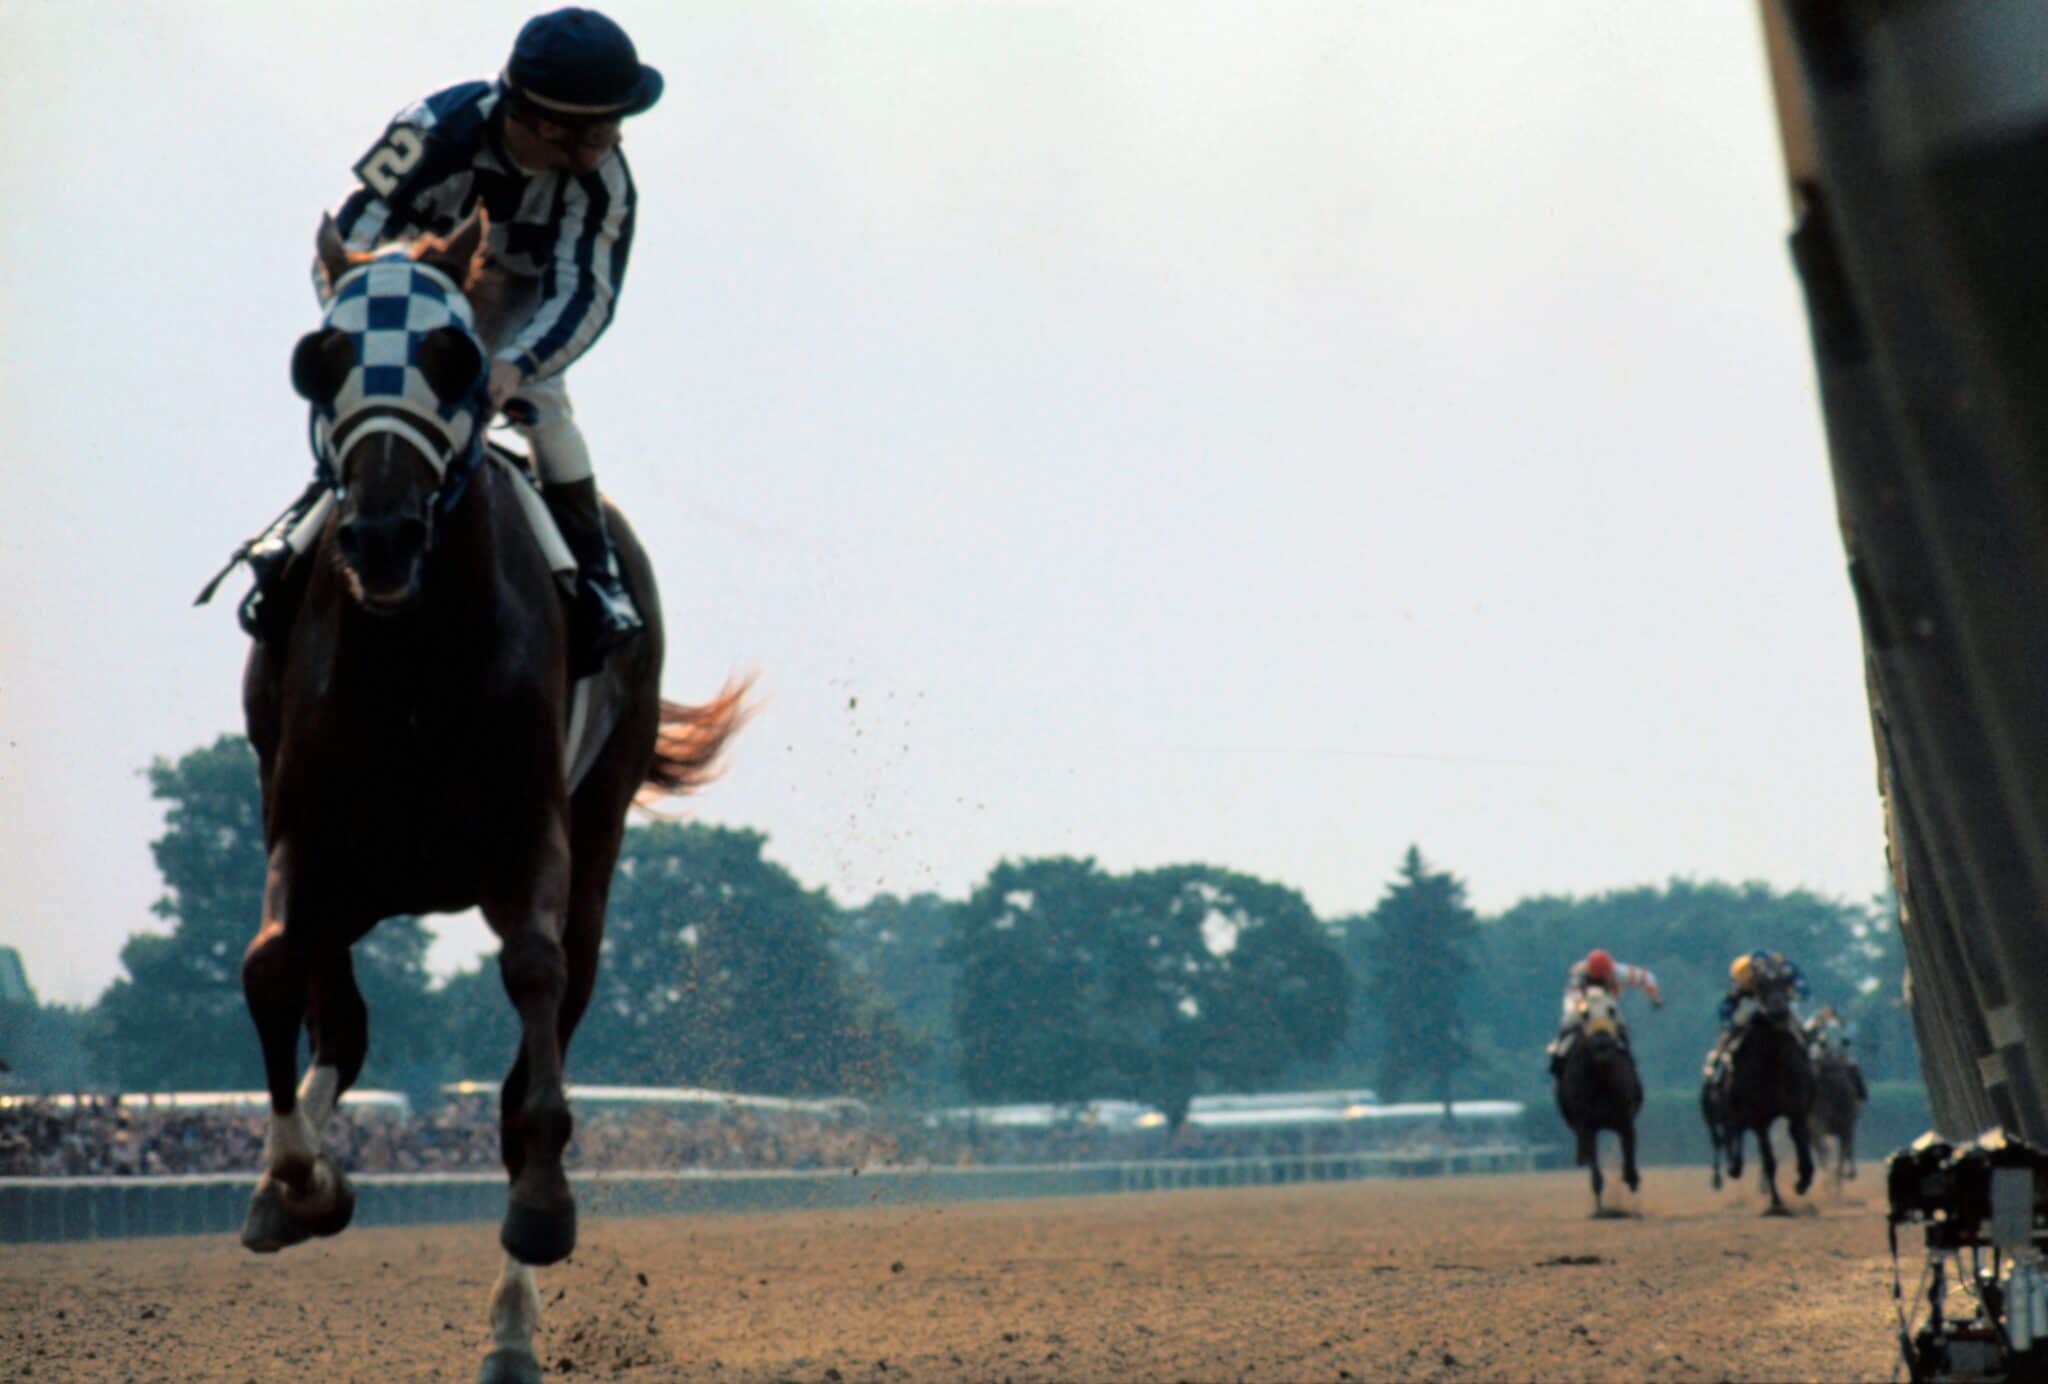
540, 1217
515, 1313
300, 1193
339, 1024
1802, 1151
1589, 1157
1767, 1169
1629, 1174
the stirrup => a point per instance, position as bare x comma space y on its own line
604, 617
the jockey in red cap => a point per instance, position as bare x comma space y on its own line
1601, 969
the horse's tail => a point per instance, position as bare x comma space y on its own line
687, 744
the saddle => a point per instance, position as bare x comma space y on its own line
545, 531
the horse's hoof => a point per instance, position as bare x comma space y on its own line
1777, 1208
336, 1218
538, 1238
272, 1225
268, 1227
509, 1367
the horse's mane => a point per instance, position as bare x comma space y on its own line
425, 244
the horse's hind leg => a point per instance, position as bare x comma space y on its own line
515, 1312
515, 1305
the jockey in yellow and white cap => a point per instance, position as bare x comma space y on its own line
1749, 976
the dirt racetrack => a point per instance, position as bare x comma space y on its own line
1459, 1278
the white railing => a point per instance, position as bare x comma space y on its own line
45, 1209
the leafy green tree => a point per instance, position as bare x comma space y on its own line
895, 948
1075, 984
1240, 982
1029, 1004
1878, 1016
42, 1047
1418, 958
177, 1020
718, 970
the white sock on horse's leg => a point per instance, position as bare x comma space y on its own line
515, 1308
294, 1139
319, 1090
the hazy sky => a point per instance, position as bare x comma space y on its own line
1264, 435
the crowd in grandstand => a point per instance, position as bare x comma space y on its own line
110, 1136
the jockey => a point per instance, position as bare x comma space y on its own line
1828, 1040
1598, 968
1748, 978
538, 149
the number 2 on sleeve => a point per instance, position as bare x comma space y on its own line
396, 155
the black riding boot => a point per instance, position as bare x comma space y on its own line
266, 612
604, 616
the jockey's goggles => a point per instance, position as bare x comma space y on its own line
599, 135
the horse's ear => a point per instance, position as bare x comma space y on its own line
449, 359
460, 253
320, 363
331, 252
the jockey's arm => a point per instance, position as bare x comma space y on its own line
406, 183
367, 220
580, 289
1639, 978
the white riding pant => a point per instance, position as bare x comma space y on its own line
559, 451
558, 447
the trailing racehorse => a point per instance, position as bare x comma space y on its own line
424, 749
1767, 1077
1598, 1088
1839, 1092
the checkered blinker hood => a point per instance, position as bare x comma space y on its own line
382, 314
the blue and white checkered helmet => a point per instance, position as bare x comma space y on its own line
386, 307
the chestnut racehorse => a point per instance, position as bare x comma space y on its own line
414, 731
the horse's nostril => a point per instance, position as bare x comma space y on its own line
351, 543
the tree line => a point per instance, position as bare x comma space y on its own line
1054, 980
